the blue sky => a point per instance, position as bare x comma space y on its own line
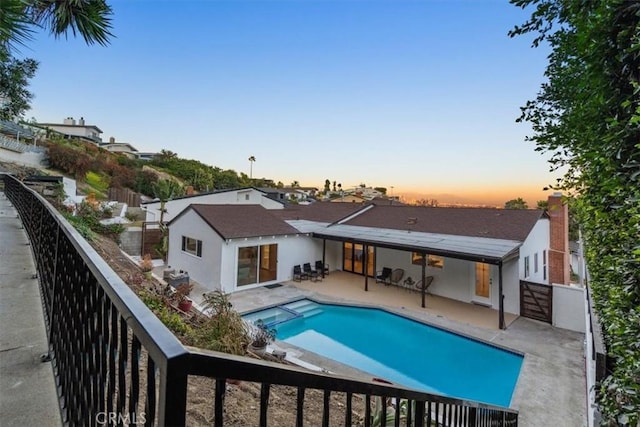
418, 95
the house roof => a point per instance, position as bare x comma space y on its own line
225, 190
325, 212
236, 221
480, 249
71, 126
507, 224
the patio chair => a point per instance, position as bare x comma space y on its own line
298, 274
322, 268
311, 273
428, 282
383, 276
396, 276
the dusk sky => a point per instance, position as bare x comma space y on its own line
421, 96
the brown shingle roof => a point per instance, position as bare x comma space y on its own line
318, 211
234, 221
510, 224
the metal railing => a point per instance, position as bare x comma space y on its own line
115, 363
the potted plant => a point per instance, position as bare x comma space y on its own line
181, 296
261, 335
146, 265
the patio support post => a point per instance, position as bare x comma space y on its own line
324, 254
424, 267
501, 299
364, 267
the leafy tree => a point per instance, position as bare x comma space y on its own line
15, 98
587, 117
18, 18
518, 203
542, 204
327, 185
382, 190
295, 184
89, 18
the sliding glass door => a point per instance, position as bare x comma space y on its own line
353, 258
257, 264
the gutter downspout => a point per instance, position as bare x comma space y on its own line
324, 254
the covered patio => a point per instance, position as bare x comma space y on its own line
349, 287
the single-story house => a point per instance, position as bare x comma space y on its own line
476, 255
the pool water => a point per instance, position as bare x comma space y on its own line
398, 349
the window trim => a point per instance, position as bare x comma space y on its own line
198, 246
526, 267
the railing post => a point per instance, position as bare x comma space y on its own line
172, 402
47, 357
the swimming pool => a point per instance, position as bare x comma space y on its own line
398, 349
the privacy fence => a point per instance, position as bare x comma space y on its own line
115, 363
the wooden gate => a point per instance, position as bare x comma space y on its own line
536, 301
151, 239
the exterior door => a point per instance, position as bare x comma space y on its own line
483, 283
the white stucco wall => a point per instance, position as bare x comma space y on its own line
456, 280
568, 307
536, 243
292, 250
205, 270
510, 287
237, 197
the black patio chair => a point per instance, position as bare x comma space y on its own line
320, 267
298, 274
311, 273
383, 276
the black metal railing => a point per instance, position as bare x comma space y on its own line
115, 363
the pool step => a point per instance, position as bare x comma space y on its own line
313, 312
305, 307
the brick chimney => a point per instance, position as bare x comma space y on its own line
558, 240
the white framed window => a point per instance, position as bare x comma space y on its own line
535, 262
544, 265
192, 246
526, 266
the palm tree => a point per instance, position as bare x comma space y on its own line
251, 160
89, 18
165, 190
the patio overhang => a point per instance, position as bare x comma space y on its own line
469, 248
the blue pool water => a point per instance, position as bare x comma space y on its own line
398, 349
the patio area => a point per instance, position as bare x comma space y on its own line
347, 286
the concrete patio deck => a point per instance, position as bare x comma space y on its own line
551, 388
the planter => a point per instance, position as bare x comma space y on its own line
185, 305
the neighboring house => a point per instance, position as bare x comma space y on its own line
145, 155
120, 147
349, 198
70, 129
477, 255
244, 196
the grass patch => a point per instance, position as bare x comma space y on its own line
98, 182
